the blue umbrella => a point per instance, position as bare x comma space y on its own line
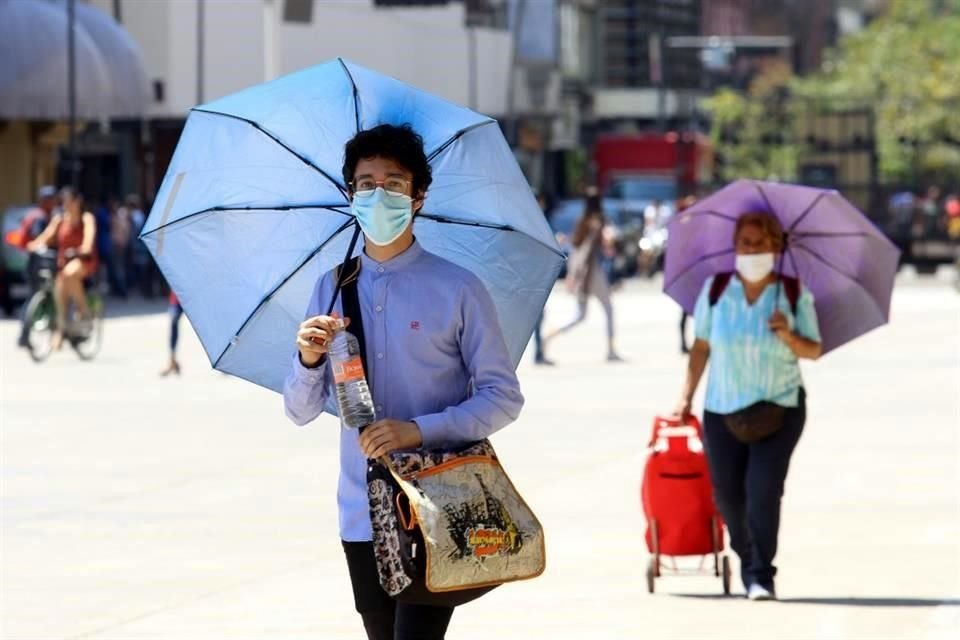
253, 210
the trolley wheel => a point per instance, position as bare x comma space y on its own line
726, 575
651, 574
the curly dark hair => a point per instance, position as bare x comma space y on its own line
401, 144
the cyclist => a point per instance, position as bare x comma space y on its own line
74, 231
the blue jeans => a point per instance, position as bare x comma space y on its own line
748, 481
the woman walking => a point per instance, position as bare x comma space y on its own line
586, 276
753, 326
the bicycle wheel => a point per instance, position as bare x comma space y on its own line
86, 341
40, 316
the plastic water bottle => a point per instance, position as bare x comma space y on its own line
353, 393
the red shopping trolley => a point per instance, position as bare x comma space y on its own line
677, 499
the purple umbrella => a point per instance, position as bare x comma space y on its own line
831, 247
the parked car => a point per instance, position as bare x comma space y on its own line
13, 260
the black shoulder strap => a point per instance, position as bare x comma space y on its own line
350, 299
791, 287
719, 285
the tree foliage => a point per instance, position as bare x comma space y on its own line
905, 65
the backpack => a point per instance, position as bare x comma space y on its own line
791, 287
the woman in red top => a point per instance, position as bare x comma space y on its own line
74, 233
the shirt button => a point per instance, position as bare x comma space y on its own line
379, 356
379, 408
380, 269
379, 308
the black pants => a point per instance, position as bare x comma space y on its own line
383, 617
748, 482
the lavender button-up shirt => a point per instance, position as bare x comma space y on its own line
435, 355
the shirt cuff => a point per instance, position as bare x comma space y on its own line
433, 430
309, 375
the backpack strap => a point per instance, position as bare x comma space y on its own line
719, 285
791, 287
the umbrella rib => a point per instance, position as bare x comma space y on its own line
841, 272
711, 212
269, 295
806, 211
291, 207
828, 234
356, 94
290, 149
486, 225
698, 261
469, 223
457, 136
763, 195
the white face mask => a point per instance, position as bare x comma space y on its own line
754, 267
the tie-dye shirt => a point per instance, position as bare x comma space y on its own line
748, 362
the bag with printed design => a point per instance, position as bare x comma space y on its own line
449, 526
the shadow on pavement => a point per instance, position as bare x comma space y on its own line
876, 602
845, 602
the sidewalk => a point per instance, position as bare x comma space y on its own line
136, 508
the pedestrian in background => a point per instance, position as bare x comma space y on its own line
120, 232
585, 274
539, 353
105, 214
175, 311
753, 336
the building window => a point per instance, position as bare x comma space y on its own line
626, 28
298, 11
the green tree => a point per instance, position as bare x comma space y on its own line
906, 63
752, 132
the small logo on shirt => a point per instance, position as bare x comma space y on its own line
415, 325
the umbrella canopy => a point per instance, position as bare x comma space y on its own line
831, 247
253, 210
111, 81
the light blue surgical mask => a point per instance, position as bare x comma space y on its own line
382, 216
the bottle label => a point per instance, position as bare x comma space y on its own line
348, 371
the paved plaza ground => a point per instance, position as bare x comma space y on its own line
138, 508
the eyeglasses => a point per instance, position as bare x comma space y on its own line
394, 186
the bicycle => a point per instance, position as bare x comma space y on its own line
84, 335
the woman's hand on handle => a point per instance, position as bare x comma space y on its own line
683, 409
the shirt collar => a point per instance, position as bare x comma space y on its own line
395, 263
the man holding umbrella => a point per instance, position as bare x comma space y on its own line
258, 207
431, 334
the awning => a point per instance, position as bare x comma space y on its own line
110, 77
